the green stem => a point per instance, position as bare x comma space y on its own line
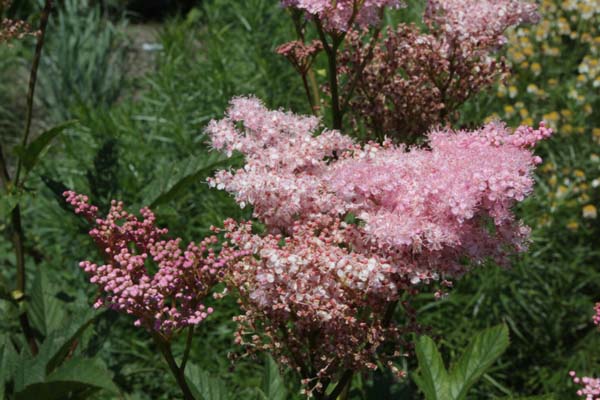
178, 373
331, 51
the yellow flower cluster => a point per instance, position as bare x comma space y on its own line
556, 78
569, 33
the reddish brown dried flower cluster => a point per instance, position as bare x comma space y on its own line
414, 80
11, 29
300, 55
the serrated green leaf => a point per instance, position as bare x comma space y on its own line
58, 344
482, 352
8, 361
433, 377
204, 386
33, 152
45, 311
273, 386
74, 376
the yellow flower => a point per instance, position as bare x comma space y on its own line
536, 68
527, 121
509, 111
562, 191
573, 226
553, 180
596, 132
567, 129
590, 212
524, 113
579, 173
513, 92
566, 113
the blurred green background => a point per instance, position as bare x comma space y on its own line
144, 77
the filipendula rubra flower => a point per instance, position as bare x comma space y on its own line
412, 78
341, 15
352, 229
170, 298
590, 386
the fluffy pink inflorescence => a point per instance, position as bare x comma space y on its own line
479, 20
285, 162
590, 389
418, 214
340, 15
432, 202
165, 301
597, 316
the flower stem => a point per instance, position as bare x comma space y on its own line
178, 372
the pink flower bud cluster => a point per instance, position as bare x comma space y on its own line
341, 15
411, 80
597, 316
170, 298
590, 389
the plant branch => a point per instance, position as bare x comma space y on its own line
178, 373
188, 348
33, 80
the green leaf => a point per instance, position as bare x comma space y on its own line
8, 202
273, 386
182, 175
59, 343
204, 386
481, 353
433, 377
31, 155
8, 361
74, 376
46, 312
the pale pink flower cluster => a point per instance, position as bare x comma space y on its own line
479, 20
597, 315
418, 213
341, 15
590, 389
165, 301
432, 201
285, 162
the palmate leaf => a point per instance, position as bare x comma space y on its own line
273, 386
481, 353
204, 386
433, 377
74, 376
45, 311
437, 383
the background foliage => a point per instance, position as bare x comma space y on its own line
141, 95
